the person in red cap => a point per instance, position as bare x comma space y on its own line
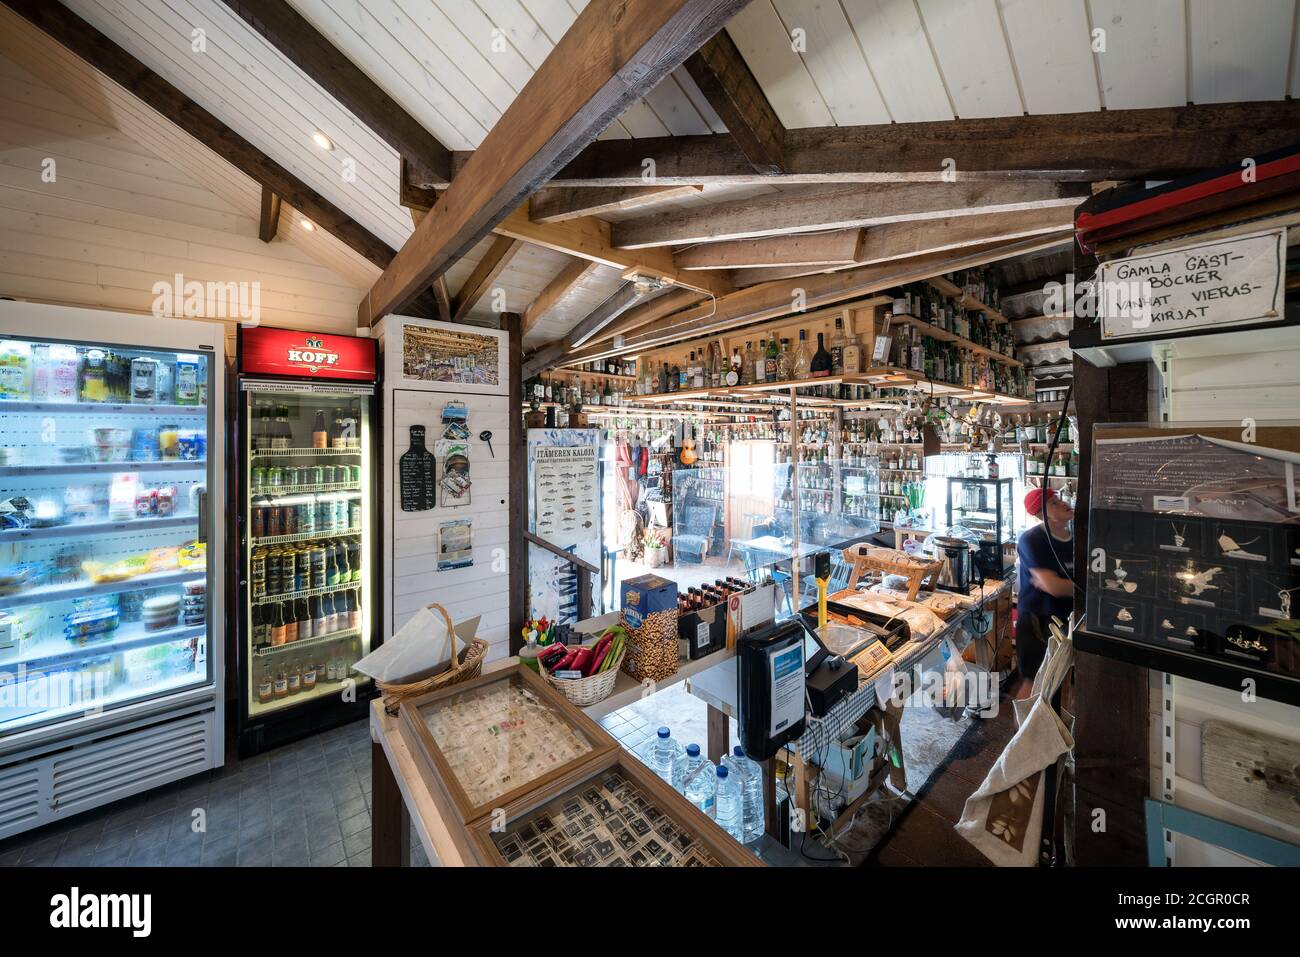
1045, 554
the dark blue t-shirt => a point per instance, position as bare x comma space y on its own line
1038, 549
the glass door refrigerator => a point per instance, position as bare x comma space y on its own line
306, 562
110, 608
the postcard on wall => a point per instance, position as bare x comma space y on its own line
455, 544
454, 356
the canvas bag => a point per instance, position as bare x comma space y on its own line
1003, 819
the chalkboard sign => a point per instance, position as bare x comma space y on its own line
417, 474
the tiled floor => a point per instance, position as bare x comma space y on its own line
307, 803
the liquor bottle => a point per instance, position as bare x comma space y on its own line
801, 366
747, 365
773, 360
852, 355
675, 378
733, 371
837, 348
784, 362
760, 362
821, 360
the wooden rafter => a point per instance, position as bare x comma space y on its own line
840, 248
771, 300
122, 68
559, 287
269, 220
293, 35
612, 54
496, 259
560, 205
1076, 147
589, 238
917, 238
727, 83
842, 207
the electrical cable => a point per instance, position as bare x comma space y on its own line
1051, 450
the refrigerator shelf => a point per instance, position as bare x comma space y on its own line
48, 594
256, 708
313, 642
305, 593
100, 408
126, 638
303, 536
77, 468
95, 528
287, 491
124, 695
299, 453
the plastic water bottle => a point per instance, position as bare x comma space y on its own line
661, 754
750, 774
699, 781
729, 803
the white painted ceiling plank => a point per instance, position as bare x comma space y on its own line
835, 61
973, 57
702, 105
1052, 53
675, 109
767, 48
1239, 50
898, 53
1144, 65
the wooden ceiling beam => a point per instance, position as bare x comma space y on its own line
589, 238
612, 54
726, 81
775, 299
1077, 147
496, 259
565, 203
122, 68
840, 248
842, 207
920, 237
559, 287
268, 223
303, 45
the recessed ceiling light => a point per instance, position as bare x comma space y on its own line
307, 224
323, 141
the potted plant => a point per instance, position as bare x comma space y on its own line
656, 546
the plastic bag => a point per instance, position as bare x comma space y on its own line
419, 649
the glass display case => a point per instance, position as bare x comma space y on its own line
104, 525
986, 507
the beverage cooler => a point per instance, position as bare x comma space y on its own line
111, 616
305, 558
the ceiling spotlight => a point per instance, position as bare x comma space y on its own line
307, 224
323, 141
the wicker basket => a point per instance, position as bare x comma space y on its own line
584, 692
464, 666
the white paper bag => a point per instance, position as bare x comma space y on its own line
419, 649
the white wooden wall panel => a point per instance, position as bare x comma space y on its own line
972, 54
1051, 49
117, 219
900, 58
1229, 388
764, 41
1239, 51
412, 562
246, 82
835, 61
1145, 62
114, 107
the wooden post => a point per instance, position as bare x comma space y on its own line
390, 838
517, 485
719, 735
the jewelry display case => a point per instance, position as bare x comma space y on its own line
481, 744
1194, 552
620, 814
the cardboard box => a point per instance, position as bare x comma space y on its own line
646, 595
702, 632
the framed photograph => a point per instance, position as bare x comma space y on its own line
618, 814
487, 742
445, 356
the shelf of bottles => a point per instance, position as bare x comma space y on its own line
103, 570
307, 509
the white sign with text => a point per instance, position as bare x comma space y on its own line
1224, 282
